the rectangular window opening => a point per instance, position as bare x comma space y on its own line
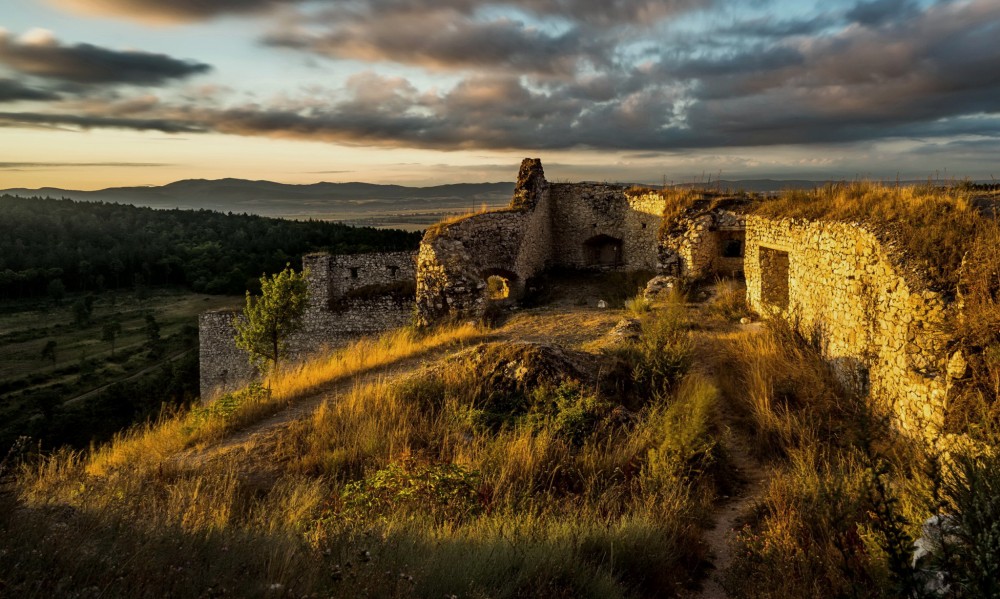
774, 277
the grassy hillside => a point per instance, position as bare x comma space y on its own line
430, 465
682, 454
73, 392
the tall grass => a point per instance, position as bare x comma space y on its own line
848, 496
151, 445
399, 489
933, 226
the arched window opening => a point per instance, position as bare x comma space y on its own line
497, 288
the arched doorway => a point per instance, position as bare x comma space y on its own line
603, 251
502, 286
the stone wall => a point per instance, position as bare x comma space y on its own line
587, 214
349, 296
579, 225
839, 285
694, 246
223, 366
455, 259
335, 275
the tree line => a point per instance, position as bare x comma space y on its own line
49, 247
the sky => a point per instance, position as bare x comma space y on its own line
101, 93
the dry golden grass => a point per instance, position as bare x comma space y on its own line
933, 226
154, 444
439, 227
611, 510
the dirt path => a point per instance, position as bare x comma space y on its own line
557, 325
260, 435
727, 518
730, 510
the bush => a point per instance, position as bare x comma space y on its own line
657, 359
446, 492
638, 305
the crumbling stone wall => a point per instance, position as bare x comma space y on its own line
337, 275
841, 286
223, 366
583, 212
582, 225
694, 246
349, 296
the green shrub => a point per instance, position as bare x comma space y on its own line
659, 357
229, 404
970, 555
445, 492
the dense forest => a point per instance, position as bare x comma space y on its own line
51, 247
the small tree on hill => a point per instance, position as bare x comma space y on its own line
152, 330
270, 319
110, 333
49, 351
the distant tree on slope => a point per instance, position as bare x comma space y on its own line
270, 319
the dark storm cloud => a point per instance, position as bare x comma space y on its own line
882, 11
14, 91
445, 39
89, 64
96, 121
778, 28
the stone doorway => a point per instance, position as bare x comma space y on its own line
502, 286
603, 251
774, 278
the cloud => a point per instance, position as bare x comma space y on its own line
876, 71
598, 12
39, 54
878, 12
15, 91
174, 11
17, 166
82, 121
443, 39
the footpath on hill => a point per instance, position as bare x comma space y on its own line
559, 323
727, 517
562, 322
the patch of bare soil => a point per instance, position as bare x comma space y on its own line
730, 511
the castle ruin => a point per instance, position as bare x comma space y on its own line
841, 285
350, 295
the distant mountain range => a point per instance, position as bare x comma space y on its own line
352, 203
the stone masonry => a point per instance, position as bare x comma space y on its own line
579, 225
838, 284
349, 296
842, 287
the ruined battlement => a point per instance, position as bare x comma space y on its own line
547, 225
841, 285
350, 295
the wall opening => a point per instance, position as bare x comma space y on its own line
392, 270
603, 250
354, 272
732, 243
774, 277
501, 285
497, 288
